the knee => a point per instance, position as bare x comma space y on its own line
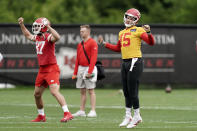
126, 94
91, 92
83, 91
54, 89
54, 93
37, 95
134, 97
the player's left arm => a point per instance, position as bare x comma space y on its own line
94, 53
147, 36
54, 34
109, 45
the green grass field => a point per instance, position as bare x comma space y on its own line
176, 111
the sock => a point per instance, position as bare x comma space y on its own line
65, 108
136, 111
128, 111
41, 111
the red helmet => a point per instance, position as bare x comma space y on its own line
39, 26
133, 13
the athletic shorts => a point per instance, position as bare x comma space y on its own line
47, 78
81, 83
85, 83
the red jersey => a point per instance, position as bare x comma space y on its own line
91, 49
45, 50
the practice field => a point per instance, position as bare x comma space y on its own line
176, 111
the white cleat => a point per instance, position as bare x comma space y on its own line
92, 114
135, 121
79, 113
126, 121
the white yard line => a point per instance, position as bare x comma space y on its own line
112, 127
155, 107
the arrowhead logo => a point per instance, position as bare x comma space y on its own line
66, 61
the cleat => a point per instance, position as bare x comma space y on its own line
40, 118
92, 114
126, 121
67, 117
79, 113
135, 121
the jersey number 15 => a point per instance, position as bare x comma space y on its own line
125, 39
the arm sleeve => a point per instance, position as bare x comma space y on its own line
93, 58
149, 39
116, 48
49, 37
76, 64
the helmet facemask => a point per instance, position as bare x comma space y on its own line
39, 27
36, 28
133, 21
133, 15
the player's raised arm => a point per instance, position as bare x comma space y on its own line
147, 37
55, 35
25, 31
109, 45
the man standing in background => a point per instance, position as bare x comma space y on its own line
85, 70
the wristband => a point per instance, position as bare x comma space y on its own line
149, 32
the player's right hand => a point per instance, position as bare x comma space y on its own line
74, 77
146, 28
100, 40
45, 22
20, 20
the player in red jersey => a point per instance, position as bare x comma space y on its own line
49, 72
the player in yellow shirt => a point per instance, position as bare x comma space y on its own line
129, 44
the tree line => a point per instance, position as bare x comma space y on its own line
99, 11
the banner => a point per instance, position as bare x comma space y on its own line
171, 60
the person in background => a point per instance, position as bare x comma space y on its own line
45, 37
129, 44
85, 70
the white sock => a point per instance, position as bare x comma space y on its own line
41, 111
65, 108
128, 111
137, 111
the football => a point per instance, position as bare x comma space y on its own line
168, 89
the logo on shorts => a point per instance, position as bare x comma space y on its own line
52, 80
